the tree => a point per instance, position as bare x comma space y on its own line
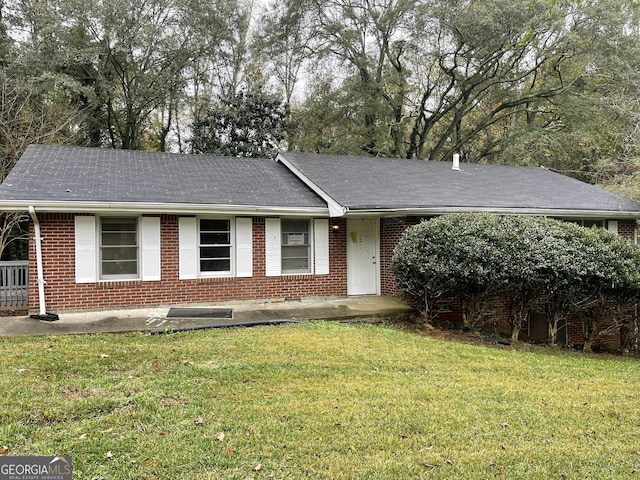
285, 41
244, 125
610, 282
435, 77
28, 115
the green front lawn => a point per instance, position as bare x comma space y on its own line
317, 400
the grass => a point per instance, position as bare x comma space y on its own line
317, 400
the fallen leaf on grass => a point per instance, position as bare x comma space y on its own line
108, 454
104, 355
248, 432
258, 467
23, 370
82, 437
198, 421
220, 437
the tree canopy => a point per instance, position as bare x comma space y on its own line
534, 82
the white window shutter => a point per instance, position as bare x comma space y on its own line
612, 225
273, 255
244, 247
188, 248
150, 248
321, 245
85, 245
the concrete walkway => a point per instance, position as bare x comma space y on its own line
155, 319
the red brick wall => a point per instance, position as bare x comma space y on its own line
62, 293
391, 230
627, 229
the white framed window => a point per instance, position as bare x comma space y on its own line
295, 246
117, 248
215, 246
118, 245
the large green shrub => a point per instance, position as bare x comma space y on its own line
475, 256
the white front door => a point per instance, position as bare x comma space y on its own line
362, 256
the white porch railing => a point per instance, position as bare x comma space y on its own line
14, 281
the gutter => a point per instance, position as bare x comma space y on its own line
43, 315
159, 208
539, 212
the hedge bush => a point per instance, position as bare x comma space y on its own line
476, 256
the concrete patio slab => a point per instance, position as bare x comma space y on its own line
244, 314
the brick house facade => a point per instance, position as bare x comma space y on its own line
123, 229
64, 293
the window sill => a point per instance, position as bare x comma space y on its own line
216, 279
135, 282
300, 276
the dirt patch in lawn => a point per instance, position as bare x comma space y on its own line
454, 333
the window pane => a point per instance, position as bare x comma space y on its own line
295, 265
214, 225
295, 246
221, 265
295, 226
119, 238
119, 246
593, 223
119, 253
293, 252
215, 252
215, 245
129, 267
119, 224
215, 238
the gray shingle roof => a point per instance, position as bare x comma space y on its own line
76, 174
364, 183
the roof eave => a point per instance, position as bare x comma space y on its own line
545, 212
159, 208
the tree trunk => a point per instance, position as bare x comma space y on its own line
629, 331
515, 331
552, 331
628, 335
518, 315
589, 323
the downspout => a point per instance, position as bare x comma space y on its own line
38, 240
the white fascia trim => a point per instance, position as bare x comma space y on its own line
167, 208
582, 214
335, 209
